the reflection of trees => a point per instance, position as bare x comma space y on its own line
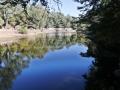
10, 66
15, 57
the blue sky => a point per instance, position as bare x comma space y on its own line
68, 7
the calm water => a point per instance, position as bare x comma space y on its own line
44, 63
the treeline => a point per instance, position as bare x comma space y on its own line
35, 17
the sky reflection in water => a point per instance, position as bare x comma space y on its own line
58, 70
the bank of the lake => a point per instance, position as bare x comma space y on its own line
11, 35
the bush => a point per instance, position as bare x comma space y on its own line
23, 30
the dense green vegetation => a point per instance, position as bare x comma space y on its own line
104, 33
35, 17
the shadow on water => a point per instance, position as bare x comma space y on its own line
105, 71
45, 62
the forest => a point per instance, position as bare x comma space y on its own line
33, 17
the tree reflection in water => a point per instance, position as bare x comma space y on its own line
16, 56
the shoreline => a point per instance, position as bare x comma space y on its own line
11, 35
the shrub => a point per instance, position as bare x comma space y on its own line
23, 30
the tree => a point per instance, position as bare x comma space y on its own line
104, 20
36, 15
104, 33
24, 3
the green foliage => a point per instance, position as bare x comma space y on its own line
24, 3
12, 21
104, 21
104, 33
23, 30
18, 12
37, 17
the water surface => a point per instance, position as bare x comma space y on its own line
44, 63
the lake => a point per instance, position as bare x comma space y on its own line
46, 62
